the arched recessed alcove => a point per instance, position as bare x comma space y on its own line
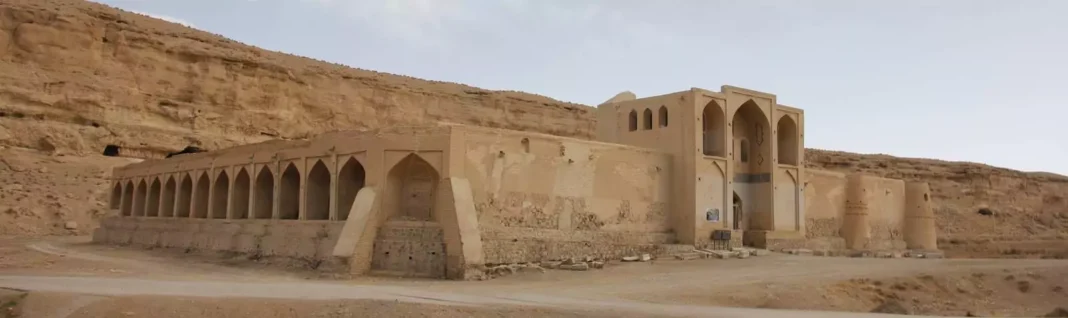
170, 189
152, 206
185, 196
412, 184
127, 199
116, 197
219, 196
317, 199
239, 203
200, 197
713, 130
752, 135
264, 194
289, 201
350, 180
140, 194
787, 141
647, 119
663, 116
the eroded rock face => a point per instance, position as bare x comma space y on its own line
83, 75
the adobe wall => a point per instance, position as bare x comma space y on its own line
539, 197
311, 242
826, 209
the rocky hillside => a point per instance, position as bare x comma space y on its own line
77, 76
1021, 205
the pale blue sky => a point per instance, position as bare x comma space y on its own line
872, 76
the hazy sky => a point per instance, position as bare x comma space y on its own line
969, 80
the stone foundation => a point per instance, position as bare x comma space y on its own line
311, 241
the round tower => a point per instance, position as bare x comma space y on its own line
919, 218
856, 231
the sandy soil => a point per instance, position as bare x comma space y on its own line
135, 283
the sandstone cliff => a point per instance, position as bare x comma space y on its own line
78, 76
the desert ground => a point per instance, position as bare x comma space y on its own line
68, 277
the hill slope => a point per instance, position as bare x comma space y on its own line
77, 76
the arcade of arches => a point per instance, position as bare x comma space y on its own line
218, 197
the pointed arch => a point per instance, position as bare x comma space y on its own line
140, 194
289, 201
349, 182
127, 199
751, 133
200, 197
632, 120
152, 205
317, 197
663, 116
116, 196
412, 184
220, 193
647, 119
239, 203
264, 194
713, 129
185, 196
787, 140
170, 189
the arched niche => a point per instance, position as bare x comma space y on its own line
242, 189
220, 193
200, 196
663, 114
317, 197
289, 198
713, 130
647, 119
350, 179
116, 196
185, 196
750, 127
264, 194
140, 195
127, 199
152, 204
412, 184
788, 141
170, 191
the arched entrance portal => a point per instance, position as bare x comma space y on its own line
411, 242
753, 163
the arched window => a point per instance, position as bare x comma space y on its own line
647, 119
663, 116
633, 120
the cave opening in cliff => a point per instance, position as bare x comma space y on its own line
112, 150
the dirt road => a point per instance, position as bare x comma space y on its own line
660, 288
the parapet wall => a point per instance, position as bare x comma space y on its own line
854, 211
541, 197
